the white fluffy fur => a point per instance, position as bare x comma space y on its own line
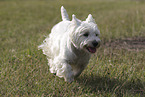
70, 44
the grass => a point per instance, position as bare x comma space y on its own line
111, 72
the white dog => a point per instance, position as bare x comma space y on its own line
70, 45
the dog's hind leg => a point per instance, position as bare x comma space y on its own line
52, 67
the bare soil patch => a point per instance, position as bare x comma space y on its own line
131, 44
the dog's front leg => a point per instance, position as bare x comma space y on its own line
78, 70
65, 70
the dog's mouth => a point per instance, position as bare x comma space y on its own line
91, 49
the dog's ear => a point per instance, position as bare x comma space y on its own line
64, 14
90, 19
75, 20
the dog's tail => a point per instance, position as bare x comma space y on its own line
64, 14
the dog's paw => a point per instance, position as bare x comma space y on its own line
69, 80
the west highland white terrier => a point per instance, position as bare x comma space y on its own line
70, 45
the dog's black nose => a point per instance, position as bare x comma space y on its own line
95, 43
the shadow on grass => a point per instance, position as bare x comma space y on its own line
110, 85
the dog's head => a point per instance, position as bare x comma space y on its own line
83, 34
86, 34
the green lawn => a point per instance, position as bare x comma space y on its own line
115, 70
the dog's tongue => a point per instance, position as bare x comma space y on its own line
91, 49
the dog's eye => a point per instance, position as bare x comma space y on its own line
86, 34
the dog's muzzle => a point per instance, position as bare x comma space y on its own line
95, 45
